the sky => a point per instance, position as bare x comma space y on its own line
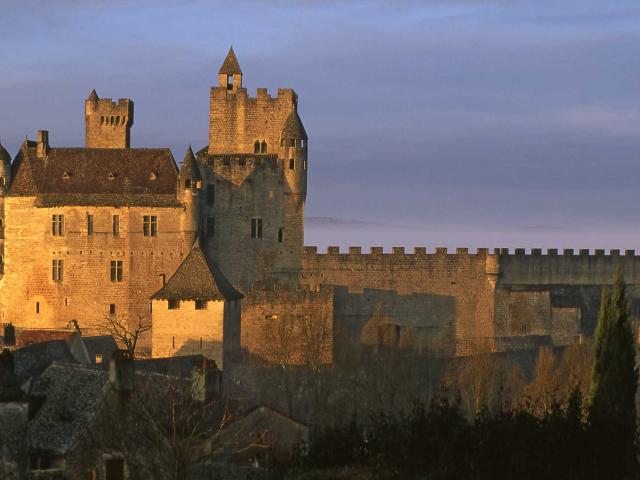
460, 123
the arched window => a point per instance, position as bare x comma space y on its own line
118, 120
112, 120
102, 120
263, 147
256, 147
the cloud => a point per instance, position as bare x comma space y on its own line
602, 119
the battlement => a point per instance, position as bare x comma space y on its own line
396, 251
108, 124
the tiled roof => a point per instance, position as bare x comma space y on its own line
26, 337
96, 176
293, 127
189, 167
34, 359
74, 397
103, 345
5, 158
230, 64
197, 279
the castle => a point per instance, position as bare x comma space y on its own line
213, 254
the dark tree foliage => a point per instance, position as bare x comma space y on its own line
612, 411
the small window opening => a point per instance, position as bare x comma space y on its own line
256, 147
211, 227
282, 142
256, 228
263, 147
229, 82
302, 142
292, 164
173, 304
201, 304
292, 142
118, 120
111, 176
280, 235
112, 309
89, 224
152, 176
37, 307
116, 225
187, 183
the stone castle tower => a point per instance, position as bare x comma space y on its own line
255, 175
108, 124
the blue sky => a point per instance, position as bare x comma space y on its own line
460, 123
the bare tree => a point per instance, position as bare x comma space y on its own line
125, 331
278, 334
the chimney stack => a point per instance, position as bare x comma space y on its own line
121, 372
43, 143
206, 380
9, 335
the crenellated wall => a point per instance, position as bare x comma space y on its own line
445, 295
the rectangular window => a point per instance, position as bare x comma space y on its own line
56, 266
57, 225
292, 164
201, 305
292, 142
89, 224
187, 183
280, 235
211, 194
112, 309
37, 307
256, 228
211, 227
173, 304
116, 225
229, 82
150, 225
116, 270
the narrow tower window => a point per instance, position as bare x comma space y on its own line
263, 147
280, 235
256, 147
89, 224
292, 164
229, 82
256, 228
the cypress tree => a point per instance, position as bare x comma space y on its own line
612, 411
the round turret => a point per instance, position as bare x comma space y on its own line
5, 169
189, 184
294, 148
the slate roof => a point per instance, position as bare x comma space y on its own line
5, 158
74, 396
293, 127
103, 345
96, 176
230, 65
93, 96
197, 279
189, 167
34, 359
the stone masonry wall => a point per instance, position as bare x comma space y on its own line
449, 295
187, 331
86, 291
265, 336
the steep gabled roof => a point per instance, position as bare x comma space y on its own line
293, 127
5, 158
93, 96
96, 176
197, 279
230, 66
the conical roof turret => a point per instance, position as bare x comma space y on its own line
189, 167
293, 127
5, 158
230, 66
93, 96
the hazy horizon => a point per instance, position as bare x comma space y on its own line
469, 123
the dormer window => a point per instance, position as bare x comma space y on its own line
66, 176
111, 176
152, 176
229, 82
